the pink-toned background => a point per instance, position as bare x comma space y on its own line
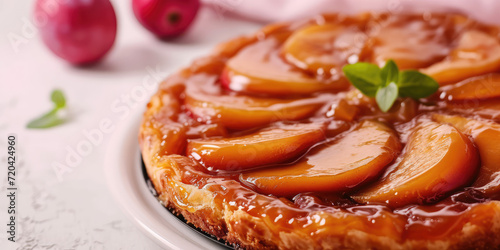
279, 10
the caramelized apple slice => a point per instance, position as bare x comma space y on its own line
412, 44
259, 69
342, 110
486, 136
160, 121
336, 127
359, 105
324, 48
475, 88
206, 131
489, 109
437, 160
352, 160
477, 53
268, 146
205, 101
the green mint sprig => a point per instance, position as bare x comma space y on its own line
388, 83
51, 118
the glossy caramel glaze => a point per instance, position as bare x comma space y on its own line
224, 103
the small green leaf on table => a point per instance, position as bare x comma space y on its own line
51, 118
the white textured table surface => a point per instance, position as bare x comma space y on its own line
76, 211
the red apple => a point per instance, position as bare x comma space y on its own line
78, 31
166, 18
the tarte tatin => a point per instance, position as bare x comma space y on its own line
266, 145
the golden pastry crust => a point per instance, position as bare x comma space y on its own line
241, 229
225, 208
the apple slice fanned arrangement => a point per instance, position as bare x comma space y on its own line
377, 119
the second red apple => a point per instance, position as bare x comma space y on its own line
166, 18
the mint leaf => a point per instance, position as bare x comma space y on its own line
51, 118
58, 99
389, 73
364, 76
388, 83
47, 120
386, 96
416, 85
